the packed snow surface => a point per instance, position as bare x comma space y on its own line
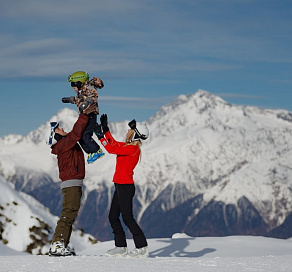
179, 253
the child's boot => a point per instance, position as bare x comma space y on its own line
92, 157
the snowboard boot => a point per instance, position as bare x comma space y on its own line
71, 249
57, 249
142, 252
117, 252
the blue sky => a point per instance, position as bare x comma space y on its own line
146, 52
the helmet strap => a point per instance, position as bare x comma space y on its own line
136, 136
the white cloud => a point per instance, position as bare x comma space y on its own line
36, 47
238, 95
136, 102
137, 38
62, 9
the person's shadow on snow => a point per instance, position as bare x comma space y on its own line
176, 248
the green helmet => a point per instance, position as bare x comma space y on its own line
78, 76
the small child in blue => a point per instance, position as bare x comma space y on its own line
86, 95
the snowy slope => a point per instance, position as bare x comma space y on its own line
179, 253
204, 157
26, 225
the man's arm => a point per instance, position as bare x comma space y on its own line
76, 133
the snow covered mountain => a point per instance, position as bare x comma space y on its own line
28, 226
209, 168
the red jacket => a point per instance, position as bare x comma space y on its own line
69, 154
127, 158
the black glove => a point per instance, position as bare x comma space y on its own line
70, 99
103, 121
98, 132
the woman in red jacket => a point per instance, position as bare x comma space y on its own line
128, 154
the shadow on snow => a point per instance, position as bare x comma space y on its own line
176, 248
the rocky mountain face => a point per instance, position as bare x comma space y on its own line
209, 168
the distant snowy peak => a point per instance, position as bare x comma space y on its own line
11, 139
204, 100
200, 109
205, 109
66, 117
201, 100
65, 114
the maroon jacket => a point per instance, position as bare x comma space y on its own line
69, 154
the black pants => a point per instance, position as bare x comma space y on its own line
122, 203
86, 141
